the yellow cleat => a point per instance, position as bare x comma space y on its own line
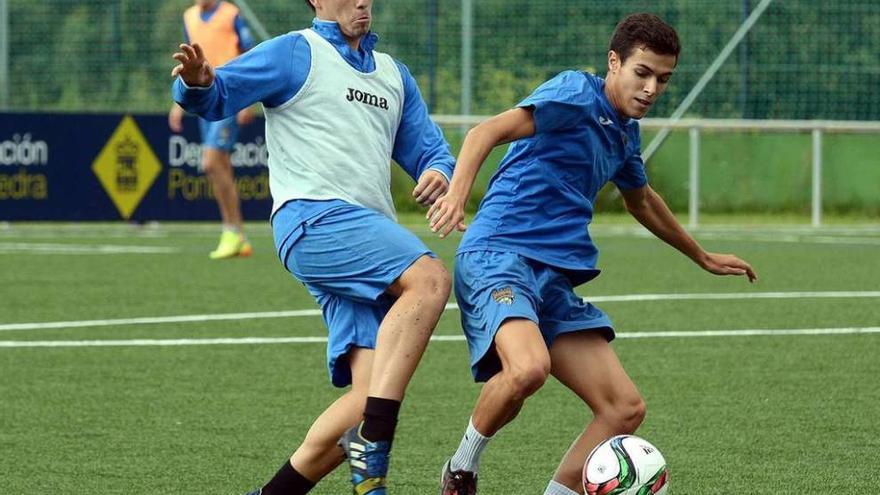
231, 244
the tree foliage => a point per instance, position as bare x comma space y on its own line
803, 59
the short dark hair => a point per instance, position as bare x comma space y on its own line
644, 30
309, 3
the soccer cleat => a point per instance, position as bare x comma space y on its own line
246, 249
457, 482
231, 244
368, 462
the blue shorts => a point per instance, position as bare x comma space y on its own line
220, 135
492, 287
346, 257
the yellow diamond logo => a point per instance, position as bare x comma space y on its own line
127, 167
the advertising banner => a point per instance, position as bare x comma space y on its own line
64, 167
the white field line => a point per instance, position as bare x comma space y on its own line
734, 295
259, 229
40, 234
150, 320
730, 236
771, 230
752, 236
53, 248
6, 344
316, 312
413, 221
788, 238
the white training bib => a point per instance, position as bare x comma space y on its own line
334, 138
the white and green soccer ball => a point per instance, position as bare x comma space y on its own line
625, 465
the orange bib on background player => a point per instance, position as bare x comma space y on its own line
217, 35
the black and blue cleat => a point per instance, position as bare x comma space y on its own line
368, 462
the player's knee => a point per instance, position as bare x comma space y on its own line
633, 414
528, 378
437, 279
627, 413
213, 162
430, 278
211, 167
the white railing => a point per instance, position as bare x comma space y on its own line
816, 127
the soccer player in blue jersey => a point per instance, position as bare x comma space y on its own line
219, 29
337, 112
529, 247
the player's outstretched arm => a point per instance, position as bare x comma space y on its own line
272, 73
447, 213
192, 66
651, 211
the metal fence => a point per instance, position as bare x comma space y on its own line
809, 196
804, 59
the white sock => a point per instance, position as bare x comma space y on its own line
467, 457
555, 488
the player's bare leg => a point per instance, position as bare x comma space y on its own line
320, 453
585, 363
525, 365
218, 168
422, 292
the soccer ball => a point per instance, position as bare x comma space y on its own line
625, 465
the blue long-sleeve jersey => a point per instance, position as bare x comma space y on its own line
275, 71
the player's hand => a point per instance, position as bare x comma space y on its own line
193, 68
446, 215
728, 264
431, 186
245, 117
175, 119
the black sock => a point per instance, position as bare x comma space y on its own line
380, 419
288, 481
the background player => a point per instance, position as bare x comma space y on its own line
529, 246
217, 27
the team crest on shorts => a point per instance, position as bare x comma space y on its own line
503, 295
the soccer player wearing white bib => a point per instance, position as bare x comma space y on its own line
337, 113
529, 246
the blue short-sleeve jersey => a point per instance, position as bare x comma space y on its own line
540, 201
